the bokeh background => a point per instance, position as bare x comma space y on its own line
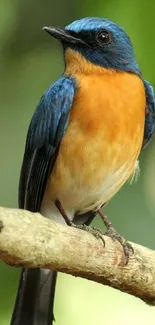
29, 61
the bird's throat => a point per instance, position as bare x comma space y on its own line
76, 63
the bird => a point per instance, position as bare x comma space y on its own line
83, 142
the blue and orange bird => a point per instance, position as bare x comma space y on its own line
83, 142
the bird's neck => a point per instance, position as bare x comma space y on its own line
78, 64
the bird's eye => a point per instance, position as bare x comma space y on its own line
103, 37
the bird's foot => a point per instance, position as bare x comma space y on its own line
97, 233
111, 232
92, 230
128, 250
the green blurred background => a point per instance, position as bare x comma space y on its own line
30, 61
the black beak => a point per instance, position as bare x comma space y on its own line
63, 35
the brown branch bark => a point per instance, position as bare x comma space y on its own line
30, 240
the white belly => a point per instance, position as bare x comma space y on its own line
72, 201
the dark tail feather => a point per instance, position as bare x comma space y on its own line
35, 298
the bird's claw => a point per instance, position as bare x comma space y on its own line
128, 249
97, 233
111, 232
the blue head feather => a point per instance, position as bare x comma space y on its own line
118, 54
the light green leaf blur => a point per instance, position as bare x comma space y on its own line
29, 61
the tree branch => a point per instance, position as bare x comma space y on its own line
30, 240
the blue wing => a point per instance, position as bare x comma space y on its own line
150, 114
46, 130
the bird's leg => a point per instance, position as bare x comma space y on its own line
111, 232
63, 213
93, 230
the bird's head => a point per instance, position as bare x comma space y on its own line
98, 41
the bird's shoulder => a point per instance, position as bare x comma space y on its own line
50, 113
150, 113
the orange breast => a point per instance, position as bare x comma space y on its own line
101, 145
